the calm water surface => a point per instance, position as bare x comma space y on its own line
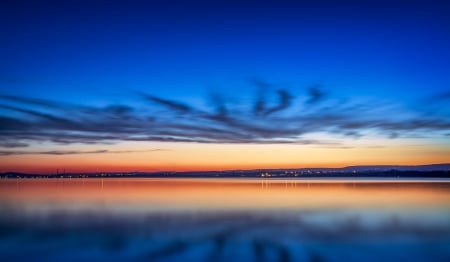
224, 220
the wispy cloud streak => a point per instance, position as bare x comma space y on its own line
75, 152
275, 116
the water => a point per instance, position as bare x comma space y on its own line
224, 220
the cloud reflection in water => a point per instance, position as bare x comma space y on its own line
302, 232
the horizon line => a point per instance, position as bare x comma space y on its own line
227, 170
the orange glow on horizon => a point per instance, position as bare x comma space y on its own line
151, 194
203, 157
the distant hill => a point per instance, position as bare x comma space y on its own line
422, 168
434, 170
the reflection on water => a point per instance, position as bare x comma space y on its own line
223, 220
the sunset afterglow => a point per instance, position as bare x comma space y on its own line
165, 86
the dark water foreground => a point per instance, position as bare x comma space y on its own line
224, 220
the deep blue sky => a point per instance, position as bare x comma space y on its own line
94, 50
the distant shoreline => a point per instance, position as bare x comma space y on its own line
271, 180
394, 171
273, 174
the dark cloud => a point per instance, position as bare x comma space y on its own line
176, 106
218, 103
11, 144
25, 120
259, 107
74, 152
436, 104
31, 101
316, 94
440, 97
284, 102
11, 124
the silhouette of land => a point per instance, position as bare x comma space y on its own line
374, 171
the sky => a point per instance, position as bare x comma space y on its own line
89, 86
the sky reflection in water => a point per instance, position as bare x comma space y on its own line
223, 220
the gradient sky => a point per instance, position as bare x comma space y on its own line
195, 85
